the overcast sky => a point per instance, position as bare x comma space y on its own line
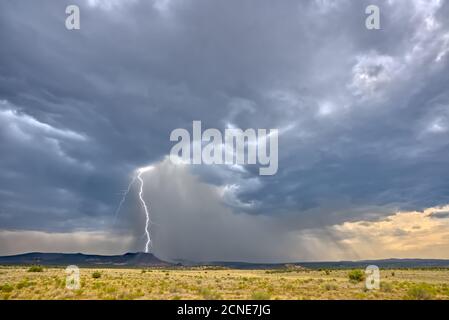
363, 118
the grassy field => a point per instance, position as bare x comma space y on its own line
203, 283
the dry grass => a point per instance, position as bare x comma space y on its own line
201, 283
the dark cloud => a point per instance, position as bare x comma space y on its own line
363, 115
440, 214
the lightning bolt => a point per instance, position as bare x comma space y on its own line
122, 201
138, 176
145, 207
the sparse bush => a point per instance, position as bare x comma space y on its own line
356, 276
23, 284
260, 295
20, 285
96, 275
421, 292
208, 294
6, 288
110, 289
386, 286
79, 292
445, 289
35, 269
330, 286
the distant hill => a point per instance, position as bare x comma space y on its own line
140, 259
386, 263
79, 259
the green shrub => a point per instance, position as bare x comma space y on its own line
23, 284
421, 292
96, 275
260, 295
208, 294
386, 287
35, 269
6, 288
110, 289
356, 276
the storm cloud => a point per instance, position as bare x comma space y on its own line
363, 118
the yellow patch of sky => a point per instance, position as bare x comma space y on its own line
402, 235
